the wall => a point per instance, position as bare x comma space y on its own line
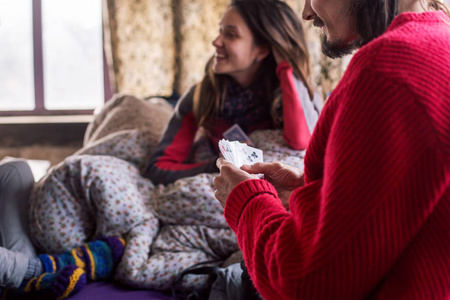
51, 142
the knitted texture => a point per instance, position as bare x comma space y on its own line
372, 220
98, 258
60, 285
117, 246
53, 263
70, 281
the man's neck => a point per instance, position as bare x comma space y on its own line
417, 6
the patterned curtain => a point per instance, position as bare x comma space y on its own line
156, 47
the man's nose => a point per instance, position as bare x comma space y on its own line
308, 13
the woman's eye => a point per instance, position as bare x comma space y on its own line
230, 34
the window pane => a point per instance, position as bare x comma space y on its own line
16, 55
73, 57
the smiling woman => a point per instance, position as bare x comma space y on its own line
259, 78
53, 57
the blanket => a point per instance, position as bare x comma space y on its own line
99, 191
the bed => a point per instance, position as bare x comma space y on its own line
178, 225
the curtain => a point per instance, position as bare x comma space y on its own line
157, 47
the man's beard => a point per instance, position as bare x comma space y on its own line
335, 49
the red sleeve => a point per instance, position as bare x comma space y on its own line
168, 163
372, 217
295, 130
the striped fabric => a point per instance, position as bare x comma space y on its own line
66, 274
70, 281
373, 217
60, 285
98, 258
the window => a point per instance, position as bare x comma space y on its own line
52, 59
16, 57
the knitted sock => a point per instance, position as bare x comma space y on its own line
98, 258
34, 269
60, 285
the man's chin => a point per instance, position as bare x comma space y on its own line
336, 49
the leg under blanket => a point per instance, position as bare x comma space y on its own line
167, 228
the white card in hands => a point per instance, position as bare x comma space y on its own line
247, 155
239, 153
227, 149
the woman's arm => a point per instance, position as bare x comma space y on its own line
300, 114
168, 162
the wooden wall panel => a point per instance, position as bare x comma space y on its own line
142, 37
199, 26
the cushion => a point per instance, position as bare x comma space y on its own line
128, 112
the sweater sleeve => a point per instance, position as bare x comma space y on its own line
300, 114
381, 181
168, 162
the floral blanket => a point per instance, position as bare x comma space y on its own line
99, 191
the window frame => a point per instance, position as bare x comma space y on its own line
38, 66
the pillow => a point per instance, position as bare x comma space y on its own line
128, 112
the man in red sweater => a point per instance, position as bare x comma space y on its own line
370, 217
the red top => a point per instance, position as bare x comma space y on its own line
373, 216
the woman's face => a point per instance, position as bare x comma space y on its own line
236, 53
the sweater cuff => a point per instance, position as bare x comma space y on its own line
282, 66
241, 195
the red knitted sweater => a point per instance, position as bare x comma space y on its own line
373, 218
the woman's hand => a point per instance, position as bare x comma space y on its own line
229, 177
283, 177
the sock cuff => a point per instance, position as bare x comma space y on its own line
35, 268
102, 256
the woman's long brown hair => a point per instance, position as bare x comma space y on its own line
273, 24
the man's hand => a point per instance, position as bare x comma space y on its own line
229, 177
283, 177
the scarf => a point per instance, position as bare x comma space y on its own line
245, 106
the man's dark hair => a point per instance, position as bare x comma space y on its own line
373, 17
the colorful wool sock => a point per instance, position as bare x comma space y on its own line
70, 281
98, 258
60, 285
